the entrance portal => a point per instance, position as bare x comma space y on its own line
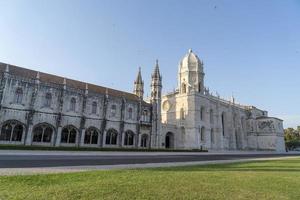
169, 143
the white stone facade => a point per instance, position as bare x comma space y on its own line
192, 118
47, 110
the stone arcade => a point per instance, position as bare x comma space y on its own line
43, 109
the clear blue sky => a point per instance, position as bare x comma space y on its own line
250, 48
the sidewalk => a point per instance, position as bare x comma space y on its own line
120, 153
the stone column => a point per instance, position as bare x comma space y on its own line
28, 139
81, 142
100, 140
58, 137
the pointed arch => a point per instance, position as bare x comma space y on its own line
18, 96
12, 131
169, 140
91, 136
111, 137
94, 107
69, 134
73, 104
42, 133
129, 138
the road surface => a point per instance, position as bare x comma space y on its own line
21, 160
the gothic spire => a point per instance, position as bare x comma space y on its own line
139, 85
156, 73
139, 79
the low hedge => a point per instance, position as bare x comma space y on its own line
21, 147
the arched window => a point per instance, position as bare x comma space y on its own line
223, 123
211, 116
68, 135
48, 99
202, 113
91, 136
12, 131
144, 140
18, 96
183, 88
73, 104
94, 107
129, 138
113, 110
202, 134
42, 133
130, 113
111, 137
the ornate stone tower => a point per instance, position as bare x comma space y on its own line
139, 85
156, 87
191, 75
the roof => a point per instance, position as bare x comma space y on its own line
49, 78
190, 62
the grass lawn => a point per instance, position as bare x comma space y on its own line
255, 180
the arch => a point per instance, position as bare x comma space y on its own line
202, 113
68, 134
202, 134
91, 136
111, 137
48, 99
18, 96
42, 133
169, 140
73, 104
144, 140
129, 138
12, 131
94, 107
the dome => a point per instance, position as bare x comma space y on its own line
190, 62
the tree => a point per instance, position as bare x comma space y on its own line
292, 137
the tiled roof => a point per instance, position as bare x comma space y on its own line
49, 78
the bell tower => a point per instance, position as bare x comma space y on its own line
156, 89
191, 75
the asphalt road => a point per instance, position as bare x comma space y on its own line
29, 161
